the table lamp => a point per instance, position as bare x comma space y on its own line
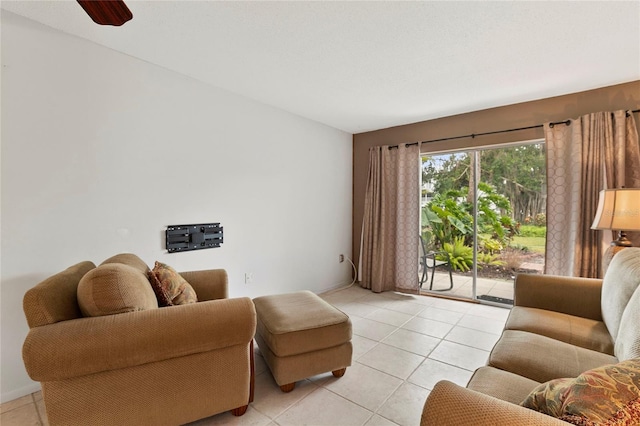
618, 210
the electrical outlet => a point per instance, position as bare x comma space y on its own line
341, 258
248, 277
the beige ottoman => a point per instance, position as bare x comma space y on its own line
300, 335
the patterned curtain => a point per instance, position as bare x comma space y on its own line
594, 152
389, 255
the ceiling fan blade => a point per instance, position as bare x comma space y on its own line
107, 12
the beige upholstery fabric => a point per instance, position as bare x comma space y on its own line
128, 259
110, 342
201, 281
541, 358
300, 335
501, 384
450, 404
579, 331
300, 322
54, 299
115, 288
568, 295
628, 341
290, 369
621, 280
172, 392
164, 366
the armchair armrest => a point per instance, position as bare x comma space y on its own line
450, 404
209, 284
90, 345
569, 295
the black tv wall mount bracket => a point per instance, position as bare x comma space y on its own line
193, 237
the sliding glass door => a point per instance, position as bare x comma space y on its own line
482, 220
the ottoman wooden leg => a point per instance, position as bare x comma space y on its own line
288, 387
339, 373
239, 411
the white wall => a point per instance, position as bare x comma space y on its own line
101, 151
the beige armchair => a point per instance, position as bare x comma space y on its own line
163, 366
560, 327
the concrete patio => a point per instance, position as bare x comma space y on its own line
462, 286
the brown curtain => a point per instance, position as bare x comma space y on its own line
594, 152
389, 255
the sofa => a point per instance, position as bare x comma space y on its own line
108, 352
569, 352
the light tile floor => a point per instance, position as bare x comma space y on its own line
403, 345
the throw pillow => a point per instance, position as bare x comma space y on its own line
170, 288
608, 395
114, 288
128, 259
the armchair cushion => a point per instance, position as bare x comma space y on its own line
620, 282
114, 288
128, 259
170, 287
606, 395
584, 332
628, 341
542, 358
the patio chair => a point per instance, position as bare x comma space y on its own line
429, 260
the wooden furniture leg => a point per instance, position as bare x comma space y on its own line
339, 373
239, 411
288, 387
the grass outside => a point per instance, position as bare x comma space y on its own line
534, 244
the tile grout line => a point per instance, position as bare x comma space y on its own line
373, 413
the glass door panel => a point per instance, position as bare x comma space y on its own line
482, 233
447, 225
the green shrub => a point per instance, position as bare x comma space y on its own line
488, 259
533, 231
460, 256
449, 216
518, 248
489, 245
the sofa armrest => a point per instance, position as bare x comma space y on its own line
569, 295
450, 404
90, 345
209, 284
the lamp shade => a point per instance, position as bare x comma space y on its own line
618, 209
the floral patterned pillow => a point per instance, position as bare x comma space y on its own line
169, 286
607, 396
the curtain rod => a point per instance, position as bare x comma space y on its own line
473, 135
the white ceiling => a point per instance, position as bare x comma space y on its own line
360, 66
